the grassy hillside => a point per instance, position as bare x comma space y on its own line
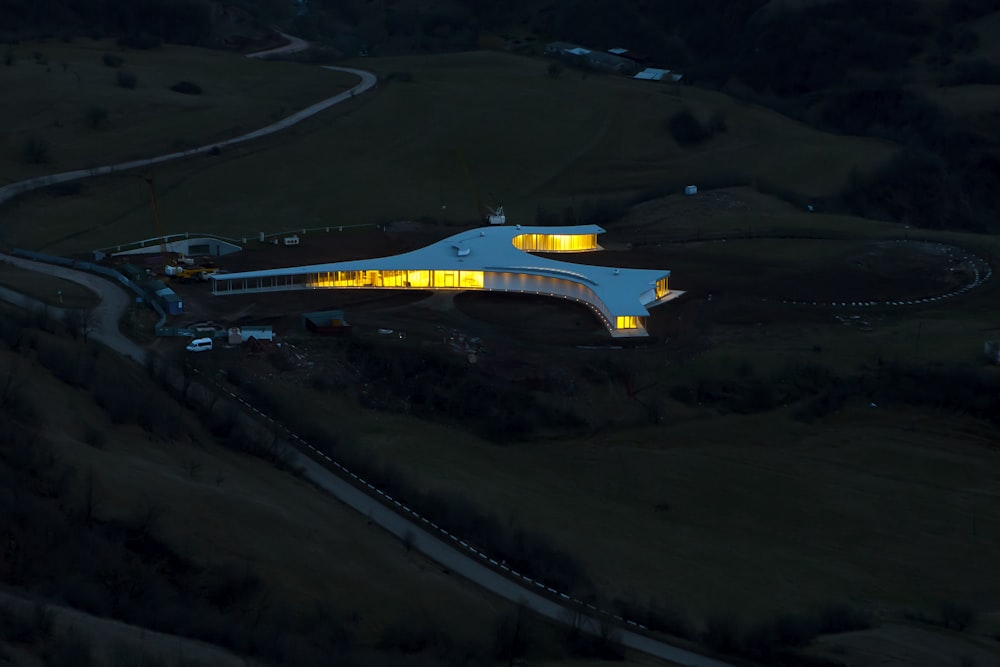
219, 530
466, 128
68, 102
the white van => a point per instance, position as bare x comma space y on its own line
200, 345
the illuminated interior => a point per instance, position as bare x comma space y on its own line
661, 288
555, 242
628, 322
399, 279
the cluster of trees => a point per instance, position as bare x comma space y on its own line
435, 387
776, 639
138, 23
59, 544
524, 550
817, 391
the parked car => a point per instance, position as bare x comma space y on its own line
200, 345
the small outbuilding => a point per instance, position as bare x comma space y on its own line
238, 335
634, 56
326, 323
654, 74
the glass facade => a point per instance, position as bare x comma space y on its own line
555, 242
661, 288
403, 279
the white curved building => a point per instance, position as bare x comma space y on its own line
489, 258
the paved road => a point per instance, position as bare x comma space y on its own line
105, 316
368, 82
114, 301
462, 564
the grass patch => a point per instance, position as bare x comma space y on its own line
478, 127
244, 94
225, 511
47, 288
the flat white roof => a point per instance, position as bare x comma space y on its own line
617, 50
652, 74
492, 249
578, 51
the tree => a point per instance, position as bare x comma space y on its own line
126, 79
514, 635
96, 117
35, 151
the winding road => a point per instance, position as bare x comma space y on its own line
404, 523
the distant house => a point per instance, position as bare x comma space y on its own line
560, 48
634, 56
609, 62
598, 60
656, 74
652, 74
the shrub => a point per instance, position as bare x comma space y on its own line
686, 129
112, 60
95, 437
35, 151
839, 617
722, 633
140, 41
555, 70
9, 58
975, 71
96, 117
957, 615
186, 88
126, 79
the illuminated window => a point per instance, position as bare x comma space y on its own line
471, 279
661, 288
341, 279
627, 322
445, 278
555, 242
418, 278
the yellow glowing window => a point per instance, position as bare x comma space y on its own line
446, 279
418, 278
555, 242
341, 279
627, 322
471, 279
661, 288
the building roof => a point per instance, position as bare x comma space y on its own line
653, 74
629, 53
578, 51
623, 291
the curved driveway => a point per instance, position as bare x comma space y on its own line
114, 301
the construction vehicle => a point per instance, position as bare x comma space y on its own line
179, 267
186, 274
